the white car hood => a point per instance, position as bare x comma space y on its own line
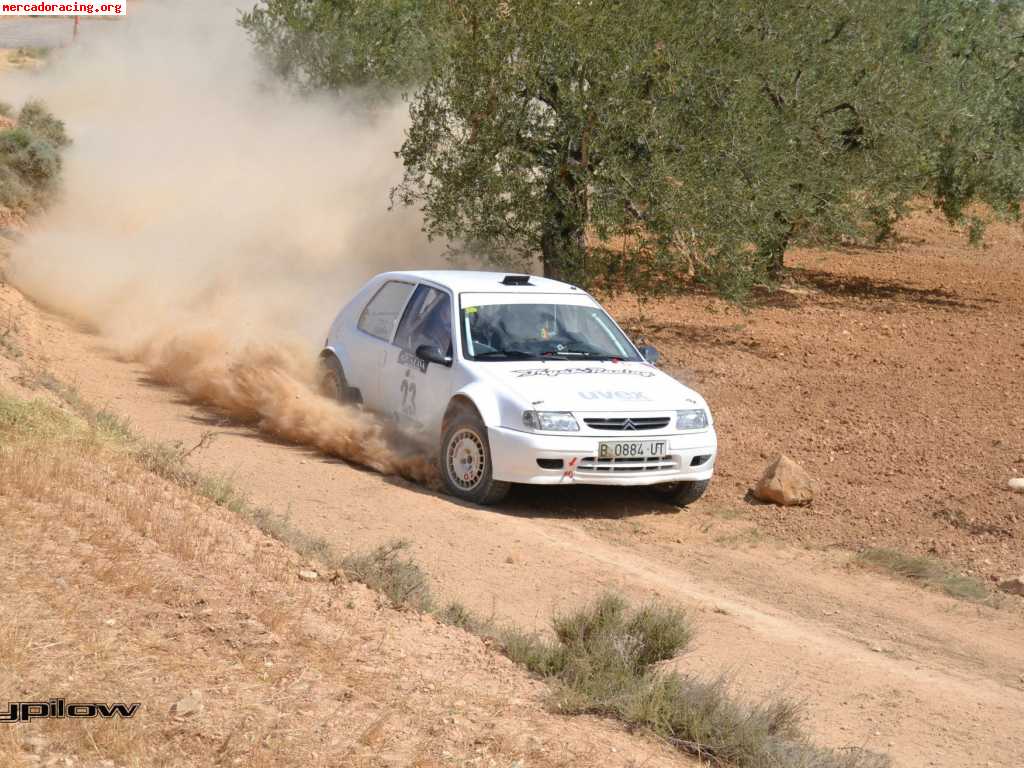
589, 385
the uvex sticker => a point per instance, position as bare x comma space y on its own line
635, 397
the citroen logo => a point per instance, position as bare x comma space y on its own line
628, 424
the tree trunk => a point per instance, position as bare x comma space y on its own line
562, 248
563, 236
776, 258
773, 252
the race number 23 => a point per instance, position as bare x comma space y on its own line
408, 397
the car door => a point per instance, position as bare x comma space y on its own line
416, 392
369, 343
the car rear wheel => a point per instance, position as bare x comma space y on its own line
682, 493
332, 382
466, 461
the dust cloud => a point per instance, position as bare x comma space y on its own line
211, 222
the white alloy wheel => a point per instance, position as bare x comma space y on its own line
467, 459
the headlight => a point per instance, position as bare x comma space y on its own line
550, 421
696, 418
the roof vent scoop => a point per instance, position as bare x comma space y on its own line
516, 280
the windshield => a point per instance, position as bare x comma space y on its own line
542, 331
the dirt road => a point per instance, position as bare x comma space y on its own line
932, 681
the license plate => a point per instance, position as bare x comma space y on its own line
631, 449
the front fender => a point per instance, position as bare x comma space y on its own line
486, 402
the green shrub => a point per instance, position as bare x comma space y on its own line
38, 164
533, 652
35, 117
30, 161
458, 615
14, 193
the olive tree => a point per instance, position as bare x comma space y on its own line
642, 140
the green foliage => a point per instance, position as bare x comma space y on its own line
30, 161
458, 615
34, 160
37, 119
34, 419
14, 191
344, 43
706, 137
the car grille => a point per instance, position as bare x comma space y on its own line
594, 465
628, 423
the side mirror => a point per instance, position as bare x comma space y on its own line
433, 354
650, 354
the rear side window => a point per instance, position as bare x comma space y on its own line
380, 316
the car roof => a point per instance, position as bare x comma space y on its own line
472, 281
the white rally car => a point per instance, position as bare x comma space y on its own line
519, 379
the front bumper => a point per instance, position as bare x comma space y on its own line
515, 455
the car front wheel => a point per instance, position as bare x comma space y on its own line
682, 493
466, 461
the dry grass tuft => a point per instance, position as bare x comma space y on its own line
386, 571
928, 572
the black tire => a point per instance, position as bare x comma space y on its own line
332, 383
683, 493
466, 460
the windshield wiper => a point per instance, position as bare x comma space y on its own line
512, 354
585, 353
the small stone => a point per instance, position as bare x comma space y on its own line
307, 575
188, 705
1016, 484
785, 482
1014, 586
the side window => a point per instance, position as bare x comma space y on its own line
381, 314
427, 320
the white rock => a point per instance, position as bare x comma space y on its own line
1016, 484
188, 705
307, 575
